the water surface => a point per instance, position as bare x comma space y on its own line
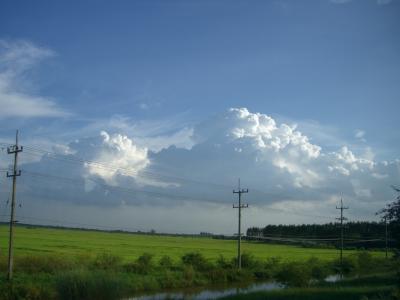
209, 292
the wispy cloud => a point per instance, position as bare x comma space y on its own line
360, 135
340, 1
379, 2
16, 59
383, 2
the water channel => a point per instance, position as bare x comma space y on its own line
209, 292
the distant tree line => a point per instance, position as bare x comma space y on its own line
357, 234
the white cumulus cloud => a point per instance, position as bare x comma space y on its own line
281, 166
121, 156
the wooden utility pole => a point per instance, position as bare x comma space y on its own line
13, 150
240, 206
341, 233
386, 238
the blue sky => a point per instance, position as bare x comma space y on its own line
155, 70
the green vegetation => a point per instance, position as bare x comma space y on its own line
73, 264
70, 243
354, 230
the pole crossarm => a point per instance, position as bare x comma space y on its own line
15, 174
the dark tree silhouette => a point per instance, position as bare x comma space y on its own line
392, 215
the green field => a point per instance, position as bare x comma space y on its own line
69, 242
70, 264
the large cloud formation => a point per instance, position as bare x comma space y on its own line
280, 160
285, 171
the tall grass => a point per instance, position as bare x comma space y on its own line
88, 285
106, 276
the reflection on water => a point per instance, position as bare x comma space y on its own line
332, 278
210, 293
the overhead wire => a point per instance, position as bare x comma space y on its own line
30, 150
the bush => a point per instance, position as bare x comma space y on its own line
107, 261
196, 260
145, 260
294, 274
142, 265
350, 265
365, 262
170, 279
223, 263
43, 264
273, 264
236, 275
262, 274
319, 270
166, 262
217, 275
249, 261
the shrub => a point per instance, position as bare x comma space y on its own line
319, 270
107, 261
262, 274
236, 275
273, 264
166, 262
217, 275
365, 262
294, 274
249, 261
169, 279
196, 260
142, 265
145, 260
223, 263
43, 264
350, 265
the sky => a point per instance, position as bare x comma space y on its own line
142, 115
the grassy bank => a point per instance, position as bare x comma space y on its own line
106, 276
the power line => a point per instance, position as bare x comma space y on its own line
171, 196
125, 171
119, 188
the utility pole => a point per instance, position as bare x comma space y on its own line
13, 150
240, 206
341, 234
386, 238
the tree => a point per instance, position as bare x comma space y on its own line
392, 215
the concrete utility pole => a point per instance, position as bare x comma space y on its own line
386, 238
13, 150
341, 233
240, 206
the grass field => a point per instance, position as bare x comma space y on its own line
68, 242
70, 264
